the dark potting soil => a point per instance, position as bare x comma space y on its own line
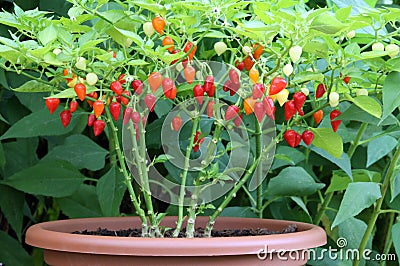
198, 233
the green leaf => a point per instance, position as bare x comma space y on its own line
391, 94
237, 211
395, 237
81, 152
2, 158
110, 190
137, 62
293, 181
82, 204
379, 148
317, 47
366, 103
357, 114
163, 107
327, 23
306, 76
343, 162
395, 185
57, 179
42, 123
48, 35
20, 154
155, 8
343, 13
215, 34
393, 64
34, 86
373, 54
89, 45
285, 155
33, 101
353, 231
11, 251
11, 204
340, 180
328, 140
301, 204
163, 158
255, 25
131, 35
10, 54
358, 196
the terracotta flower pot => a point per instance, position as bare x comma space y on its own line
63, 248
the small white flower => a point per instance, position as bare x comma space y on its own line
57, 51
216, 11
129, 79
351, 34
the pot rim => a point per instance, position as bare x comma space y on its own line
56, 235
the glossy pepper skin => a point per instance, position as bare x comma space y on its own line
335, 123
80, 90
98, 127
290, 109
52, 104
292, 138
176, 123
308, 137
65, 117
320, 91
277, 84
187, 48
318, 115
115, 110
158, 25
116, 87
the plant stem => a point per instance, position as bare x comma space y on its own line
234, 190
350, 153
229, 197
323, 208
127, 176
184, 176
259, 169
378, 205
357, 140
195, 196
192, 212
388, 237
112, 149
146, 189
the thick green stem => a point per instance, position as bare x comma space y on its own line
378, 205
259, 169
195, 196
192, 212
154, 230
229, 197
127, 176
184, 176
112, 149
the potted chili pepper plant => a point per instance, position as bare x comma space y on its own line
191, 100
